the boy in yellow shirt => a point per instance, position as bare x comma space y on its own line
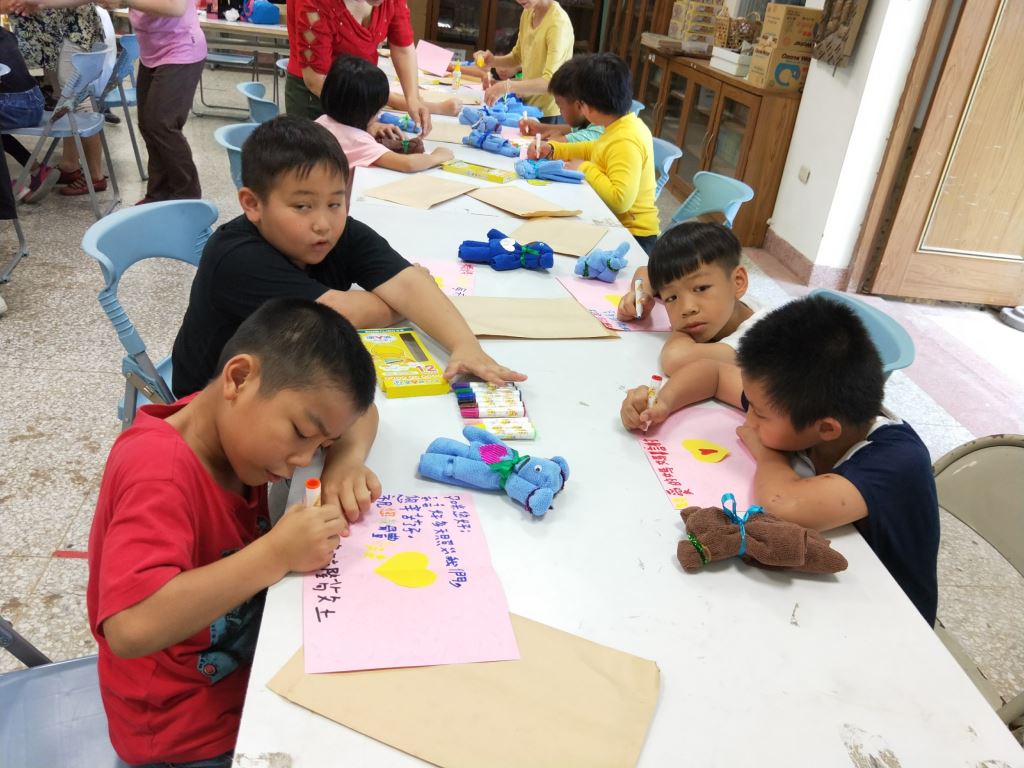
544, 44
620, 164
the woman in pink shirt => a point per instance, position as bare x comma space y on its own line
172, 50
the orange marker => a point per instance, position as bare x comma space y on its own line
313, 492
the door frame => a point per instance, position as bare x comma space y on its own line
873, 235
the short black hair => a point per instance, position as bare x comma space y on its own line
815, 360
563, 82
604, 83
302, 344
354, 91
686, 247
288, 144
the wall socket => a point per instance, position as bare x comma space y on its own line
805, 174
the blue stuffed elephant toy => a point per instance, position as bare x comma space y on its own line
489, 463
602, 264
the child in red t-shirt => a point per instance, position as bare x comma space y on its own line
181, 548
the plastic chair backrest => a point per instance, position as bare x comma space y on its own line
713, 192
665, 154
125, 65
174, 229
981, 483
4, 69
261, 108
637, 107
893, 343
282, 64
231, 137
53, 716
86, 70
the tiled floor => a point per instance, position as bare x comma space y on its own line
59, 385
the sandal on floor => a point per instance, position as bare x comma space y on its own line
69, 177
79, 186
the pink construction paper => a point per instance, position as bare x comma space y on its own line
455, 278
355, 618
596, 295
688, 481
433, 58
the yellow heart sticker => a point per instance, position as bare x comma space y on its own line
407, 569
439, 280
613, 299
705, 450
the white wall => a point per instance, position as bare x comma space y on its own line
841, 132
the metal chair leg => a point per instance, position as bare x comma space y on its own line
21, 253
131, 133
113, 176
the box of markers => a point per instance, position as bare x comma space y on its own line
404, 366
474, 171
498, 409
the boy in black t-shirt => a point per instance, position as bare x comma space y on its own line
810, 380
295, 239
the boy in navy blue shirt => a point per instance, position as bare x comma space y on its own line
810, 380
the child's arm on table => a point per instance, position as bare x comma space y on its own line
303, 540
820, 502
394, 161
346, 480
698, 381
627, 304
680, 350
617, 184
415, 294
361, 308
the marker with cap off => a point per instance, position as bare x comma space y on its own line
638, 294
313, 492
536, 144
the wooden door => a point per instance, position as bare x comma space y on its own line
735, 120
696, 128
959, 226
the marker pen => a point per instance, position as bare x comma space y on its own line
484, 385
536, 144
483, 410
508, 432
509, 421
637, 295
652, 390
313, 492
487, 397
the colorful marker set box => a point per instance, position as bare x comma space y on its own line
474, 171
404, 366
498, 409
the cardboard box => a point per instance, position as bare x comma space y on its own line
775, 67
791, 25
679, 8
731, 62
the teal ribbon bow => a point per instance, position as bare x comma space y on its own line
506, 467
729, 508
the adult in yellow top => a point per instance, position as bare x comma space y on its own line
619, 165
545, 43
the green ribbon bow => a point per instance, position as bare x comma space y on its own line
506, 467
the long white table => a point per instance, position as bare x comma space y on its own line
757, 667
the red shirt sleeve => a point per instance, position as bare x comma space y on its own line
313, 35
400, 27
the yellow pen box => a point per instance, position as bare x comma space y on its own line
404, 366
475, 171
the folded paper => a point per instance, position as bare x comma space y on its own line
530, 318
420, 191
571, 238
520, 202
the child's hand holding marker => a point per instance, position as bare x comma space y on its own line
306, 536
637, 303
539, 150
641, 409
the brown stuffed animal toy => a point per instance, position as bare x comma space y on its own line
758, 537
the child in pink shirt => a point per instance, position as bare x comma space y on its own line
353, 93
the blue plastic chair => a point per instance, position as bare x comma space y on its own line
22, 252
894, 344
281, 66
116, 95
637, 107
712, 193
53, 713
214, 59
65, 123
231, 137
175, 229
261, 108
665, 154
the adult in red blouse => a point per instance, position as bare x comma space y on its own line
320, 30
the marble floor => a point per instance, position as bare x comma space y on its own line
60, 382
